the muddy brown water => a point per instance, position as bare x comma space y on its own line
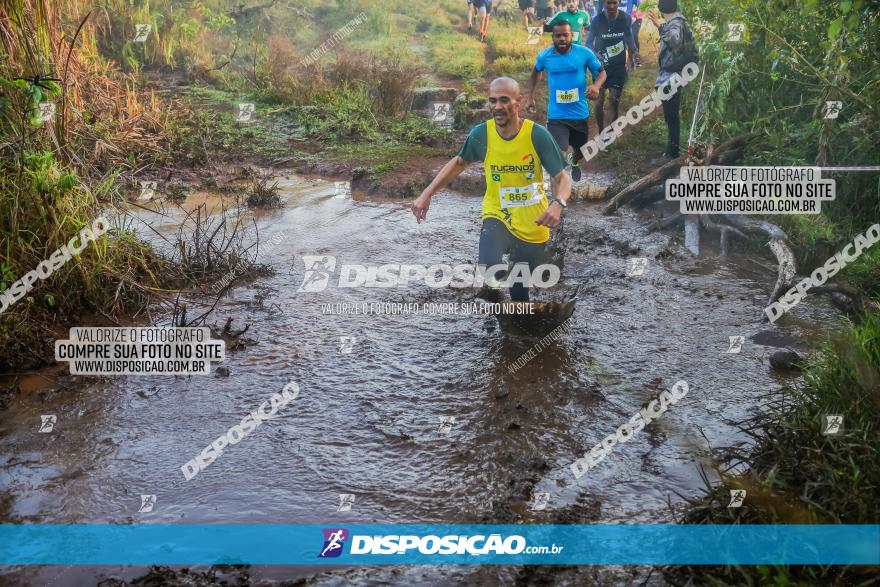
366, 422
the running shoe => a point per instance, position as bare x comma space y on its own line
575, 170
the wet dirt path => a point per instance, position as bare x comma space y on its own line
366, 421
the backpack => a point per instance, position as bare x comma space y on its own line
675, 58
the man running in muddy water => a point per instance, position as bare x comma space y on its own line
517, 216
567, 109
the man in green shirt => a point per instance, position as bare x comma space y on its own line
578, 19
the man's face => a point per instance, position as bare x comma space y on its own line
562, 38
572, 6
503, 103
611, 7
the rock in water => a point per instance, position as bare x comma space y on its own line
785, 360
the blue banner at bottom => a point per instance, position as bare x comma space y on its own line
599, 544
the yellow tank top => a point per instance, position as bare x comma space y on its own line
515, 183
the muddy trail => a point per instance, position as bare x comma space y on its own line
366, 420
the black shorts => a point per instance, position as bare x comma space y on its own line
526, 4
616, 76
569, 132
545, 12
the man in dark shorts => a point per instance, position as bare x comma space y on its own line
610, 37
484, 9
567, 109
528, 10
544, 9
517, 212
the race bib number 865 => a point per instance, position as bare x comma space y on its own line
519, 196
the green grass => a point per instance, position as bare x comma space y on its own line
456, 55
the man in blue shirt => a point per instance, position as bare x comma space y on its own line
567, 110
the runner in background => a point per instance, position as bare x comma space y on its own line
677, 49
637, 16
579, 21
528, 10
544, 9
610, 36
567, 64
631, 7
484, 8
470, 16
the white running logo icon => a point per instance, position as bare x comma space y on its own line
335, 538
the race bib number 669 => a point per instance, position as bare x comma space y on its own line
567, 96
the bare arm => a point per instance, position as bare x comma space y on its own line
533, 85
593, 89
561, 186
450, 171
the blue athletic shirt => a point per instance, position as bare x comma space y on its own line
567, 78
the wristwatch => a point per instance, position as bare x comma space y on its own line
561, 202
